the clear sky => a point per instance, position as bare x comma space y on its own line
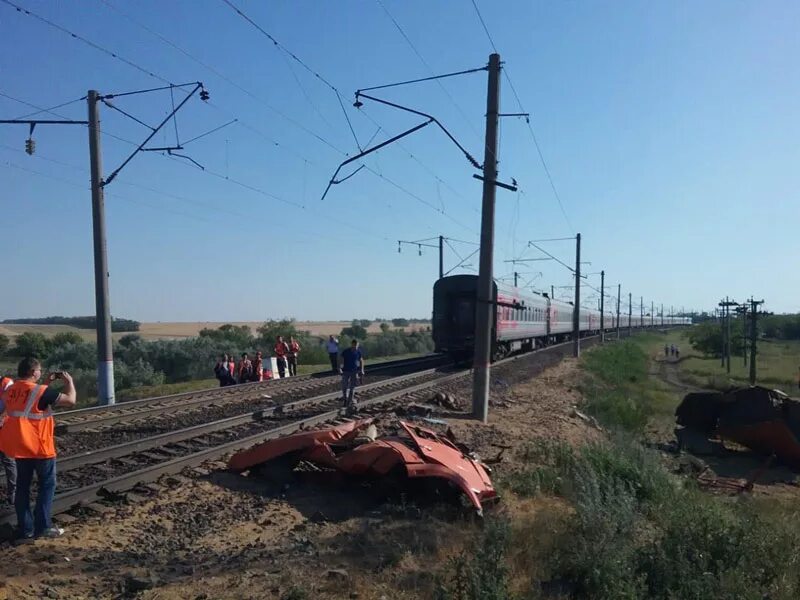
670, 130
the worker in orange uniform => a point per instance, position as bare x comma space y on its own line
294, 350
9, 464
281, 352
28, 436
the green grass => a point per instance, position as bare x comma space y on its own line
633, 529
777, 365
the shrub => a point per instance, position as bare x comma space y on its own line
5, 342
64, 338
31, 344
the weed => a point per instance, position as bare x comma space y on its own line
295, 593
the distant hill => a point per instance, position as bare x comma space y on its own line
78, 322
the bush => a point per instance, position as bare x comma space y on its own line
5, 342
480, 573
65, 338
31, 344
637, 532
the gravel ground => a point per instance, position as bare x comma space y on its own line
220, 535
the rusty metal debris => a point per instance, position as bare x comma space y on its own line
765, 420
407, 453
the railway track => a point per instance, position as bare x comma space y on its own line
89, 476
98, 418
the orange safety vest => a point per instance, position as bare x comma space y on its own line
27, 431
294, 347
5, 383
281, 348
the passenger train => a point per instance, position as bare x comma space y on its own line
521, 321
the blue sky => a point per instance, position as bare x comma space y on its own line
669, 128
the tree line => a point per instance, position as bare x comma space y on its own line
139, 362
706, 337
120, 325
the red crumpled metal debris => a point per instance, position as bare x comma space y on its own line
422, 452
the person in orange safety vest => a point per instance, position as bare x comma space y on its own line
28, 437
281, 352
9, 464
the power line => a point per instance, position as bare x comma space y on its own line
427, 66
89, 43
486, 29
538, 149
222, 76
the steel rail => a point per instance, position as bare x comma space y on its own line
74, 461
66, 500
95, 418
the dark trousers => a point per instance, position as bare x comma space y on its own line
292, 366
10, 467
334, 361
45, 469
281, 366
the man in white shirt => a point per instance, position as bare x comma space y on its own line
332, 346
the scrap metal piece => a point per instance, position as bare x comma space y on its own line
354, 449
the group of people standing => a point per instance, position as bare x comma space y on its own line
228, 372
27, 443
672, 350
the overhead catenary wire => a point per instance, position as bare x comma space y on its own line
483, 23
430, 70
224, 77
86, 41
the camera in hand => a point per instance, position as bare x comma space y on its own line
56, 375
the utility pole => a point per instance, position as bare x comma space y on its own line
105, 356
485, 306
619, 294
744, 333
662, 316
641, 311
516, 277
576, 313
722, 334
630, 314
652, 315
552, 293
441, 256
726, 332
602, 306
753, 337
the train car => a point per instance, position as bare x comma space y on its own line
520, 321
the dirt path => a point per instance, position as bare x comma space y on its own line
214, 535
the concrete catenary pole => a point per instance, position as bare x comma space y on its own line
728, 338
753, 337
619, 296
105, 356
602, 306
630, 314
576, 313
641, 311
722, 332
516, 278
652, 314
441, 256
744, 333
485, 308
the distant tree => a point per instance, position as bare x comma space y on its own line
5, 342
385, 327
64, 338
400, 322
271, 329
239, 335
128, 340
707, 338
355, 331
31, 344
365, 323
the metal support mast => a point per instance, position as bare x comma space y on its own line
602, 306
105, 356
630, 314
576, 313
619, 294
485, 307
441, 256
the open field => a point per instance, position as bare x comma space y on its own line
777, 364
179, 330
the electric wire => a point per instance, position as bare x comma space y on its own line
85, 41
224, 77
44, 110
425, 62
485, 29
